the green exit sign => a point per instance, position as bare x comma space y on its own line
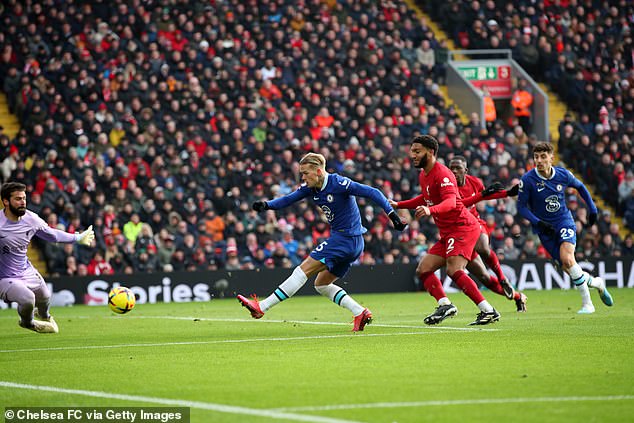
481, 73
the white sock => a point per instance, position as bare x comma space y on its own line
485, 306
287, 289
444, 301
579, 279
340, 297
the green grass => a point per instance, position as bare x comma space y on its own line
548, 365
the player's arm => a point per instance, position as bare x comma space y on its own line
447, 203
282, 202
585, 194
412, 203
362, 190
55, 235
490, 193
523, 199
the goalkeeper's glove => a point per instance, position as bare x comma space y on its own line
492, 189
546, 228
399, 225
592, 219
86, 237
515, 189
260, 206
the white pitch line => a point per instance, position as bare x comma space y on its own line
222, 408
220, 341
457, 402
312, 322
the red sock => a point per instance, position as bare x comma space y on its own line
468, 286
432, 284
494, 264
493, 284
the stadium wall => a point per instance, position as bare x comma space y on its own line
204, 286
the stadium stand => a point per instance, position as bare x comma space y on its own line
160, 124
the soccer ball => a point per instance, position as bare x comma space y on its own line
121, 300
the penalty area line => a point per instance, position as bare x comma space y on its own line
483, 401
210, 406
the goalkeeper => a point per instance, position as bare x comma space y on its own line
20, 282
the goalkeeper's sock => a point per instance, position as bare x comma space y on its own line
287, 289
339, 296
494, 264
579, 278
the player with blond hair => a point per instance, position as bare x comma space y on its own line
330, 260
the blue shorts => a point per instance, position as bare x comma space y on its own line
339, 252
566, 232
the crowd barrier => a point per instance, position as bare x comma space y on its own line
205, 286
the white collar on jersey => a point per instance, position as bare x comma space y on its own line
543, 177
325, 182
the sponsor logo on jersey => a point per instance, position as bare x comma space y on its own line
552, 203
446, 182
328, 213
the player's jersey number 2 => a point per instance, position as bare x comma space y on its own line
450, 245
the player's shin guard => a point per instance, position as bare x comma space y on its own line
340, 297
468, 286
287, 289
494, 264
432, 285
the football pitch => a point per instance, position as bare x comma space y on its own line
301, 362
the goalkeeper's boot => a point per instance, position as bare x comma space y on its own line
38, 326
50, 320
365, 318
520, 302
509, 292
440, 314
486, 317
252, 305
603, 291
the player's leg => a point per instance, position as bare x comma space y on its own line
491, 259
460, 250
42, 303
339, 254
425, 271
582, 280
285, 290
15, 290
324, 284
477, 269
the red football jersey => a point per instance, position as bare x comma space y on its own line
439, 185
472, 186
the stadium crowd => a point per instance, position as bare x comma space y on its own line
585, 51
160, 122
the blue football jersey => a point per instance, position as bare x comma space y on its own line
544, 199
337, 200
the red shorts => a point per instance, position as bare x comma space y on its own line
483, 227
458, 243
